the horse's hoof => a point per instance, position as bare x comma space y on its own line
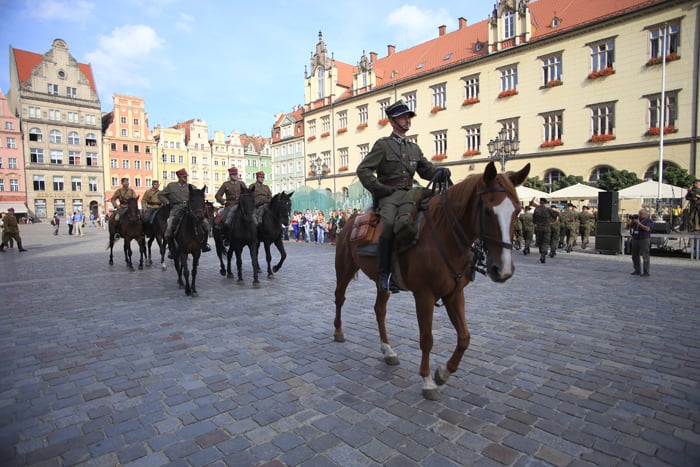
164, 266
338, 337
111, 262
140, 267
439, 380
431, 394
275, 269
241, 282
193, 294
392, 360
270, 276
180, 286
222, 272
256, 284
229, 276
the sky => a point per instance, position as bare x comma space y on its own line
234, 64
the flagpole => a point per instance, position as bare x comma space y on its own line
662, 123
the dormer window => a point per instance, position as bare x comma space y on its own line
556, 21
448, 56
420, 65
509, 24
478, 46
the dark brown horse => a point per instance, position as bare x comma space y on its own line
472, 218
187, 239
275, 217
130, 228
154, 229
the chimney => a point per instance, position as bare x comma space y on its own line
390, 49
462, 23
441, 30
373, 57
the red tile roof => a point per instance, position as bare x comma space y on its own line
27, 61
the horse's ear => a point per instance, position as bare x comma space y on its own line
204, 189
519, 177
290, 194
490, 172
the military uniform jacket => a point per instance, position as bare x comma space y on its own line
232, 190
693, 194
150, 199
9, 223
123, 196
586, 218
526, 220
542, 217
262, 193
394, 162
176, 194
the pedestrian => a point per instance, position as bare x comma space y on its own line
56, 222
92, 219
79, 222
387, 172
542, 218
10, 230
586, 219
528, 229
640, 242
69, 221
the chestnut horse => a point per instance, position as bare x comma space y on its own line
471, 219
130, 228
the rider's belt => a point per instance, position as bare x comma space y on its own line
401, 183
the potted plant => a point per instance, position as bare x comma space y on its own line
342, 130
507, 93
470, 101
551, 143
383, 121
311, 138
439, 157
435, 109
343, 168
471, 152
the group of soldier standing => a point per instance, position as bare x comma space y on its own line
176, 195
552, 228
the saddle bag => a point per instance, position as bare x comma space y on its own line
364, 229
405, 225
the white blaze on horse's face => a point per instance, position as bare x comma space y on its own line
504, 213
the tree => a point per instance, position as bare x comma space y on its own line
616, 180
535, 183
569, 180
676, 176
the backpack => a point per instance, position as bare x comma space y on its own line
405, 225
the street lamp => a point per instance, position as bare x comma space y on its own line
318, 168
503, 148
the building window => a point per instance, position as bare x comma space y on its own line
658, 47
344, 158
410, 100
551, 70
73, 117
137, 165
58, 183
125, 148
73, 137
165, 175
115, 181
364, 150
137, 182
312, 128
92, 184
147, 165
602, 120
39, 183
91, 159
439, 96
90, 119
113, 163
35, 134
172, 158
2, 184
11, 143
34, 112
90, 139
552, 178
36, 155
383, 104
509, 24
137, 148
598, 173
76, 184
509, 78
440, 143
343, 119
71, 92
670, 111
73, 158
326, 124
471, 89
14, 185
362, 114
55, 115
56, 156
136, 122
194, 160
55, 137
124, 133
512, 128
52, 89
472, 140
8, 125
125, 163
602, 55
122, 120
552, 128
11, 162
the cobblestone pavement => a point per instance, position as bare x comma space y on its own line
571, 363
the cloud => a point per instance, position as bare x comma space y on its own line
185, 22
414, 25
126, 57
62, 10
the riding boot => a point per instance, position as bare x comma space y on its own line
543, 258
386, 282
552, 252
19, 246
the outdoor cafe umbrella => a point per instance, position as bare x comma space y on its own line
526, 194
578, 191
650, 190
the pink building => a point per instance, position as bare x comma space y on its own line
13, 192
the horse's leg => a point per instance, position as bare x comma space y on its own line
253, 248
149, 244
178, 269
220, 251
345, 270
279, 243
195, 264
161, 248
390, 357
257, 250
268, 258
424, 312
454, 305
111, 248
127, 253
229, 257
186, 273
142, 251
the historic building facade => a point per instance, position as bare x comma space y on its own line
287, 146
580, 89
13, 193
171, 152
128, 145
56, 100
198, 151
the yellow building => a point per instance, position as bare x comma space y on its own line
171, 153
579, 88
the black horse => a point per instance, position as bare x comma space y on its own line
187, 239
242, 233
130, 228
275, 218
154, 229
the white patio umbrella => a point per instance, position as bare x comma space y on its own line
578, 191
650, 189
526, 194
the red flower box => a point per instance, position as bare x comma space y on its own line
507, 93
655, 131
553, 83
311, 138
361, 126
470, 101
343, 168
471, 152
603, 72
551, 144
439, 157
325, 134
672, 57
602, 138
342, 130
383, 121
435, 109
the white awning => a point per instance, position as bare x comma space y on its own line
20, 208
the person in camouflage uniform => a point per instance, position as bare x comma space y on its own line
586, 219
693, 198
528, 229
569, 218
518, 234
542, 218
554, 231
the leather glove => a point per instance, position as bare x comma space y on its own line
385, 190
